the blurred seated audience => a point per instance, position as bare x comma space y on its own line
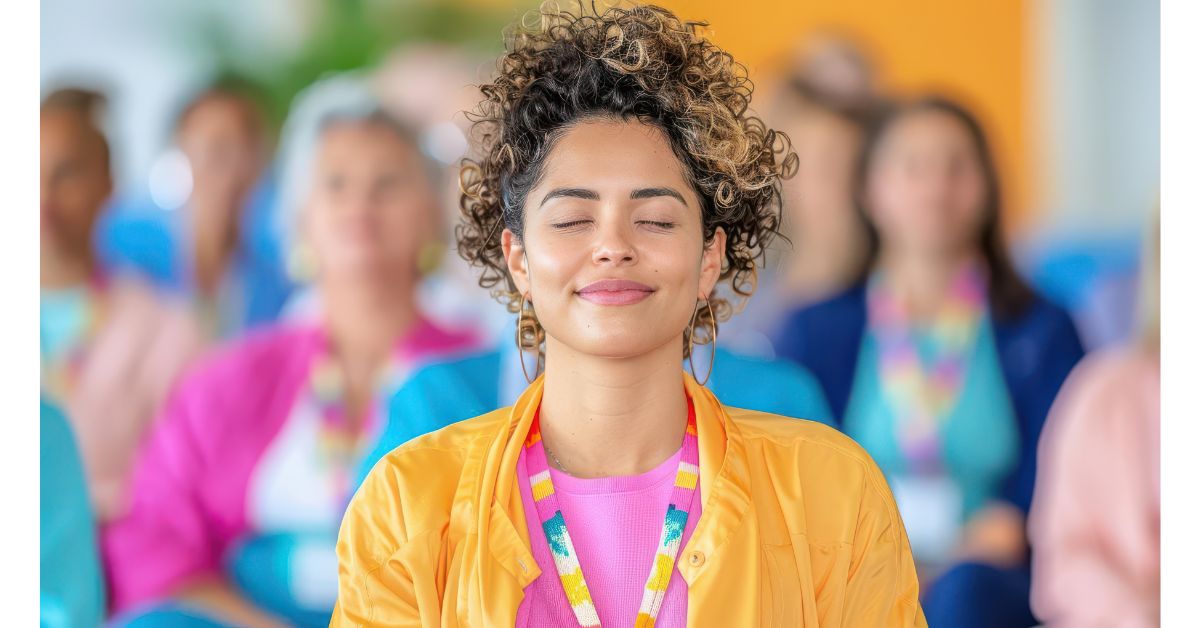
111, 347
1094, 527
240, 492
219, 249
942, 362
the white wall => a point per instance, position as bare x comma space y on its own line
1096, 63
146, 55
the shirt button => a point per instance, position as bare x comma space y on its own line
696, 559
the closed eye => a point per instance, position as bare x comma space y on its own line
568, 225
657, 223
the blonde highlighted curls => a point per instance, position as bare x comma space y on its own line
642, 62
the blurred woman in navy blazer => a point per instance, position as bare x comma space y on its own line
941, 361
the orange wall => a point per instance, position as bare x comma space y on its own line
975, 50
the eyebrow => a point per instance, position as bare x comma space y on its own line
655, 192
592, 195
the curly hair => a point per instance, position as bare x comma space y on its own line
640, 63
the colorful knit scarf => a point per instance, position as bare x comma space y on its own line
340, 442
922, 390
565, 558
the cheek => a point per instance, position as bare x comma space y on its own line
887, 199
678, 268
403, 224
320, 227
552, 266
970, 199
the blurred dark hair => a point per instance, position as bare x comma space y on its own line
1008, 293
802, 92
88, 104
245, 93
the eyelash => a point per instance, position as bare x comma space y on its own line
575, 223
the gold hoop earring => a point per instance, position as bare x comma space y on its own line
521, 349
712, 357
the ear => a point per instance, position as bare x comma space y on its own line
514, 258
711, 262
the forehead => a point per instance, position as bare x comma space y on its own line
220, 112
64, 130
349, 138
928, 129
606, 151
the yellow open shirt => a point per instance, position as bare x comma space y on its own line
798, 528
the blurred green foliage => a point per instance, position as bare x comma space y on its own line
350, 34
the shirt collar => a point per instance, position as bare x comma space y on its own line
490, 477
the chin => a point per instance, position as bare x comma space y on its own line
619, 342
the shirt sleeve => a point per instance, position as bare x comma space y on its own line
164, 539
882, 585
375, 584
1058, 351
1089, 527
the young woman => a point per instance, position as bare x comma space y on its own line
621, 179
238, 494
942, 362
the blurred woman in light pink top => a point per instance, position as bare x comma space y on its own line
111, 347
1094, 527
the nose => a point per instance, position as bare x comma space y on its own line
613, 247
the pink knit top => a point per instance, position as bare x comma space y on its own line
615, 525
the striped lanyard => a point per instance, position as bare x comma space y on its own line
566, 560
922, 391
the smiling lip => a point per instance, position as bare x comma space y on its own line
615, 292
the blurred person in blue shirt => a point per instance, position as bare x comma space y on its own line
942, 362
219, 249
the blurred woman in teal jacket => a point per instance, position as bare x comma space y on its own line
72, 589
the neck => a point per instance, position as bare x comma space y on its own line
922, 282
613, 416
59, 273
363, 323
210, 259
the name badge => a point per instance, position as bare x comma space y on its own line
932, 509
